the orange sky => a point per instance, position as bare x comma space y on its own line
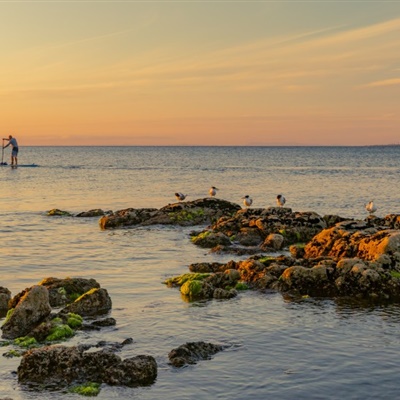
200, 73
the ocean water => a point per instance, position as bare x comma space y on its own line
278, 349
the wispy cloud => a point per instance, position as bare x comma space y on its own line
385, 82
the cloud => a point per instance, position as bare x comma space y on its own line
385, 82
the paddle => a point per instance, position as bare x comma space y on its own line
2, 153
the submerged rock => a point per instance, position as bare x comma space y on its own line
97, 212
192, 352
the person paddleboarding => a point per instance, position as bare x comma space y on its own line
14, 152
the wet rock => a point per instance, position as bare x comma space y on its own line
97, 212
252, 228
206, 267
188, 213
94, 302
251, 270
209, 239
59, 213
349, 240
220, 293
104, 322
192, 352
31, 309
59, 366
297, 251
248, 237
64, 291
274, 241
5, 297
332, 220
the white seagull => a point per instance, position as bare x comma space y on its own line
247, 201
371, 207
280, 200
213, 191
180, 196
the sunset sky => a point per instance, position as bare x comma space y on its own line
200, 72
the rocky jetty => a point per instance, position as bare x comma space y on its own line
197, 212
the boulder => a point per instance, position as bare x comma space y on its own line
5, 297
208, 239
64, 291
94, 302
31, 309
60, 366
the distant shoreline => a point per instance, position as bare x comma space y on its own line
183, 145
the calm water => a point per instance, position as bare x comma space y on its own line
313, 349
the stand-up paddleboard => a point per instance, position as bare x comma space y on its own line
19, 165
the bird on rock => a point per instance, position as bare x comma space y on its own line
371, 207
247, 201
213, 191
280, 200
180, 196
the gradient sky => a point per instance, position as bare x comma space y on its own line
200, 72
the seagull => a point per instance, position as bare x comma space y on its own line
371, 207
280, 200
213, 191
180, 196
247, 201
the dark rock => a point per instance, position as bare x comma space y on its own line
188, 213
59, 366
31, 309
92, 213
94, 302
192, 352
104, 322
5, 297
64, 291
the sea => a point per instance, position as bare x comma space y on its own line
276, 347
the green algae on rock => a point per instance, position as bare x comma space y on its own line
86, 389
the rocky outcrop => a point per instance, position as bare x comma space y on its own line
32, 308
59, 366
188, 213
357, 239
191, 353
271, 229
